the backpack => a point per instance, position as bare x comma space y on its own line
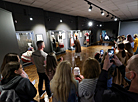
9, 96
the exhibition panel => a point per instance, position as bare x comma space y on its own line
58, 41
71, 36
87, 38
26, 45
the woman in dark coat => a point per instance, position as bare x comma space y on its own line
77, 47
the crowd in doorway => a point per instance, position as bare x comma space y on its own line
104, 78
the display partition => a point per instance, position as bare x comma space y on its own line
58, 41
26, 45
87, 38
71, 36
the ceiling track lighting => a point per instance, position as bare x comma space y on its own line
107, 15
90, 8
61, 20
102, 13
115, 19
31, 18
102, 10
112, 17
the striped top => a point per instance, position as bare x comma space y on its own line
86, 89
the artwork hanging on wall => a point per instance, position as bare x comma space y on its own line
39, 37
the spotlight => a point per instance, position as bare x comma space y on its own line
107, 14
90, 8
31, 18
102, 13
15, 21
115, 19
90, 24
112, 17
60, 20
100, 25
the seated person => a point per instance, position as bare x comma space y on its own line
117, 93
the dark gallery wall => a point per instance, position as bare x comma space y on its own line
8, 41
44, 21
128, 27
111, 28
52, 21
22, 14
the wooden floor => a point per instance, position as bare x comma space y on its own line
69, 55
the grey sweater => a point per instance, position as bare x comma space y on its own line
86, 90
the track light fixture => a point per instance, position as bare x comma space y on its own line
112, 17
90, 8
115, 19
102, 10
107, 14
102, 13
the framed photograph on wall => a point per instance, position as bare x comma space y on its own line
39, 37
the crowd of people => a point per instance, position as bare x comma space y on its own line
102, 79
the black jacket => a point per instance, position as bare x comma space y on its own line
115, 94
22, 86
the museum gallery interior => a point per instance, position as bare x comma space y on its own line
58, 22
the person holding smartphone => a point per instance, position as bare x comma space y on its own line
117, 93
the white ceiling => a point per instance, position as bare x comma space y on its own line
124, 9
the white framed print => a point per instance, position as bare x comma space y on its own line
39, 37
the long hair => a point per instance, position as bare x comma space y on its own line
8, 58
121, 46
51, 63
62, 80
9, 69
91, 68
129, 38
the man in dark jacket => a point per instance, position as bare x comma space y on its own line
117, 93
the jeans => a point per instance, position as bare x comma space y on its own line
43, 76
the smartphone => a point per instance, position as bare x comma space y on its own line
111, 53
101, 52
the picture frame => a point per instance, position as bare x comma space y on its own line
39, 37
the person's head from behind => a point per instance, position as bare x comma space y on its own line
135, 36
91, 68
129, 38
12, 69
8, 58
128, 47
51, 62
62, 81
121, 47
40, 44
97, 56
132, 68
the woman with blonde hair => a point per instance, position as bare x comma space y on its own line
91, 71
63, 85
